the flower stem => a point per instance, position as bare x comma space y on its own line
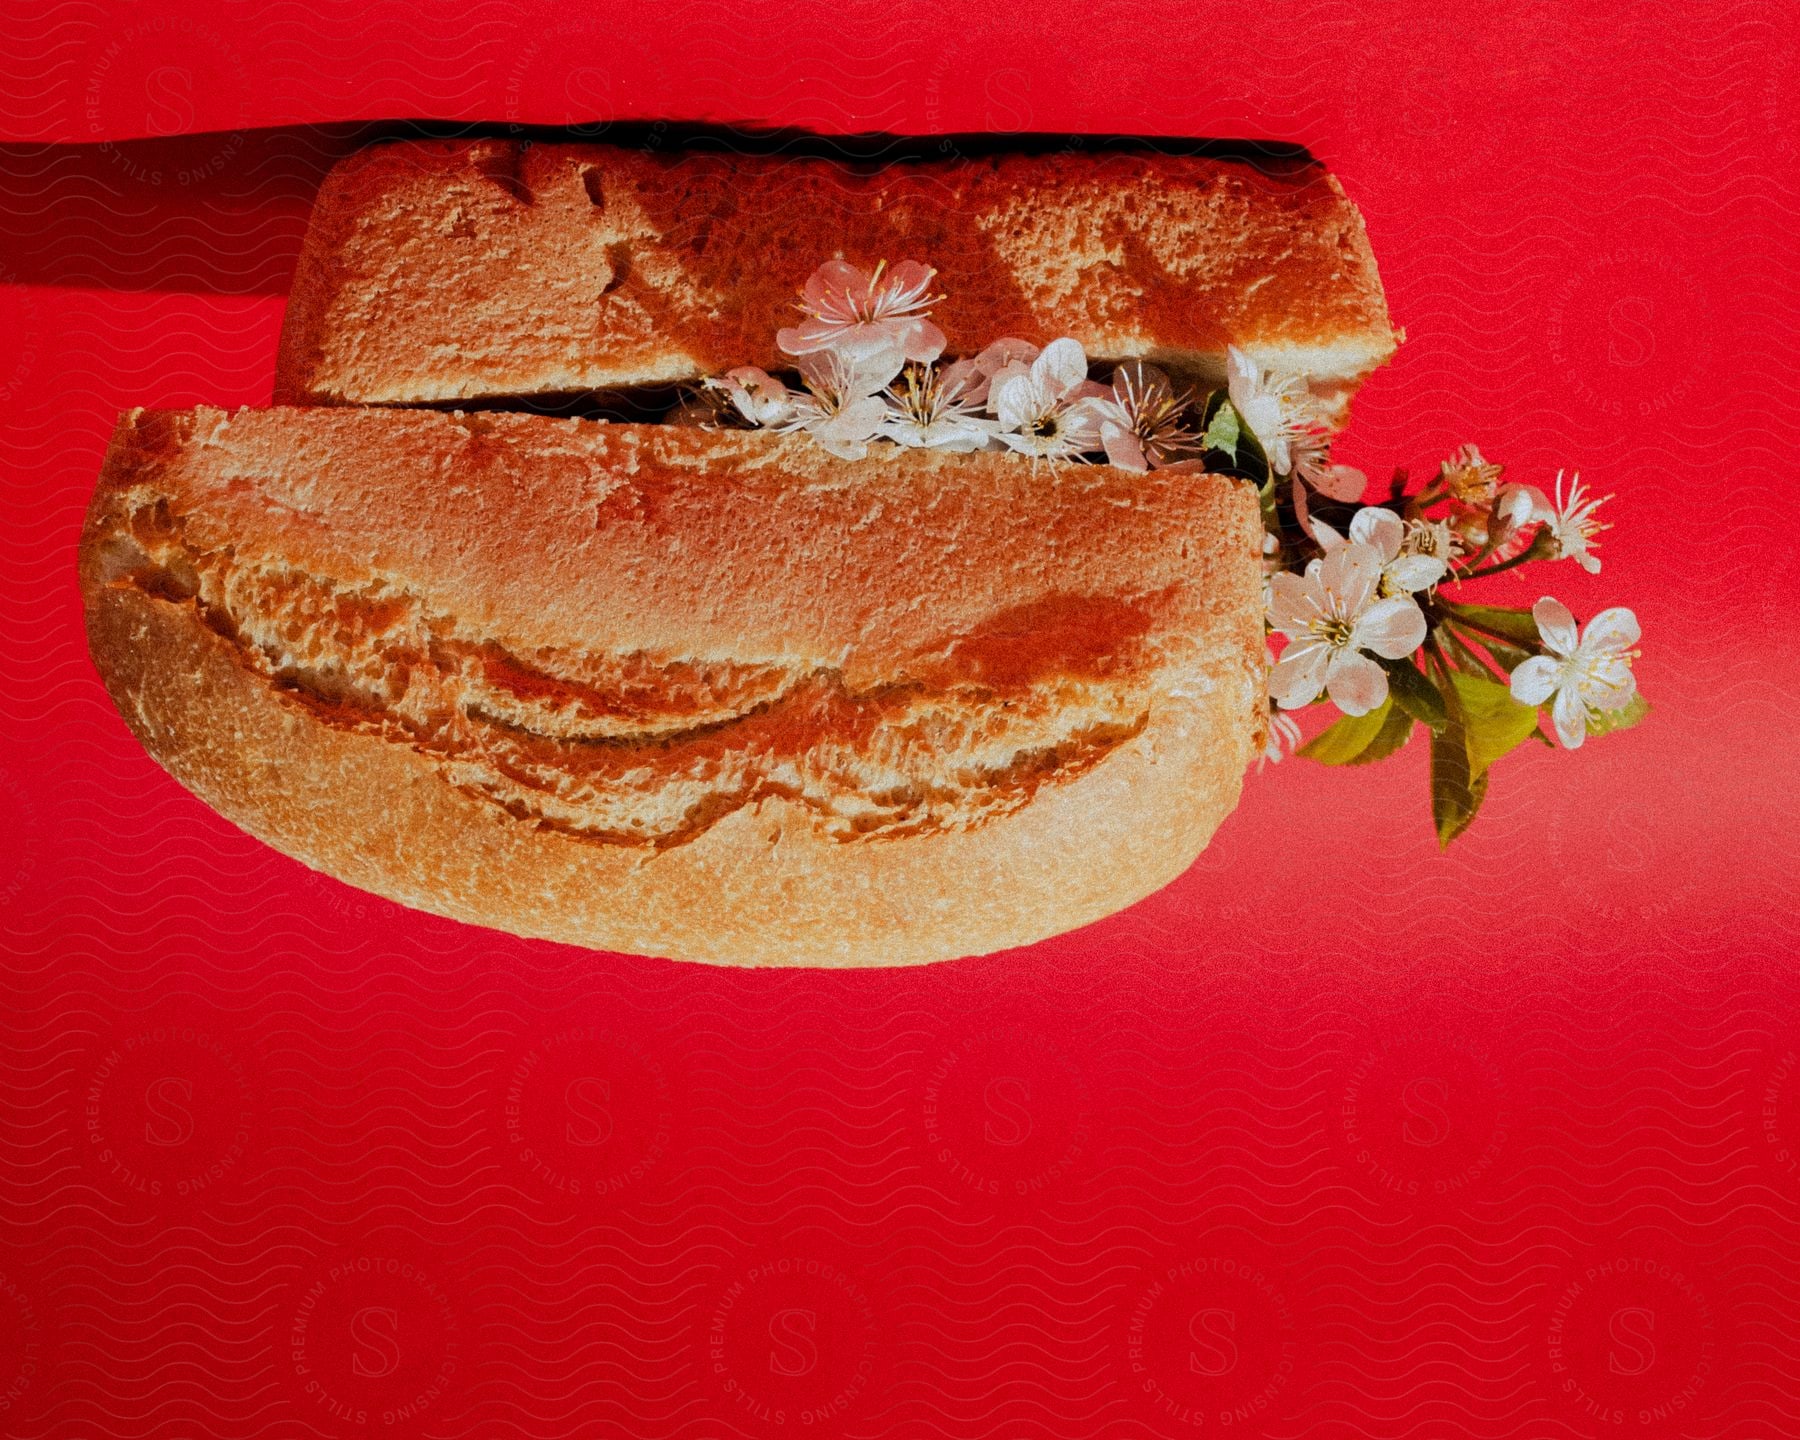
1517, 560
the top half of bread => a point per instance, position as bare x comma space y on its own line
440, 271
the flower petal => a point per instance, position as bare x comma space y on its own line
1513, 508
827, 287
1328, 538
1350, 574
863, 417
1062, 366
1614, 629
845, 447
1393, 629
876, 349
800, 339
1122, 448
1415, 572
1079, 428
1013, 398
1295, 601
1355, 683
1556, 625
1244, 375
909, 280
923, 342
1299, 674
1380, 528
1610, 692
1270, 435
1534, 681
960, 380
1003, 353
1340, 482
1569, 714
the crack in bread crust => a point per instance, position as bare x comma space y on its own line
650, 751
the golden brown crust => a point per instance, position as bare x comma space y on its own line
447, 270
646, 688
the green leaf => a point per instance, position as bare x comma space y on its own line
1346, 739
1223, 431
1414, 693
1456, 790
1395, 731
1605, 722
1493, 722
1514, 625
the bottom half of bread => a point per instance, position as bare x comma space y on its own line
1100, 809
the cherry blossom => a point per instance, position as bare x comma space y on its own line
843, 409
1469, 479
937, 407
1431, 537
1144, 423
1045, 409
1330, 616
1590, 671
862, 314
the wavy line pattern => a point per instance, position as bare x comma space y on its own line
1334, 1136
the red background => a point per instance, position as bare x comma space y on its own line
1333, 1136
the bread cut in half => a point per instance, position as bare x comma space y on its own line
439, 271
654, 689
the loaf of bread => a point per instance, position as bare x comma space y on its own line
489, 270
655, 689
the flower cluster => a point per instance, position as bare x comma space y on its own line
1365, 605
871, 368
1373, 619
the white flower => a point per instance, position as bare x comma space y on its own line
938, 408
1468, 477
1279, 412
1045, 410
843, 410
1572, 524
1408, 564
1143, 422
757, 396
1330, 615
860, 314
1589, 672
